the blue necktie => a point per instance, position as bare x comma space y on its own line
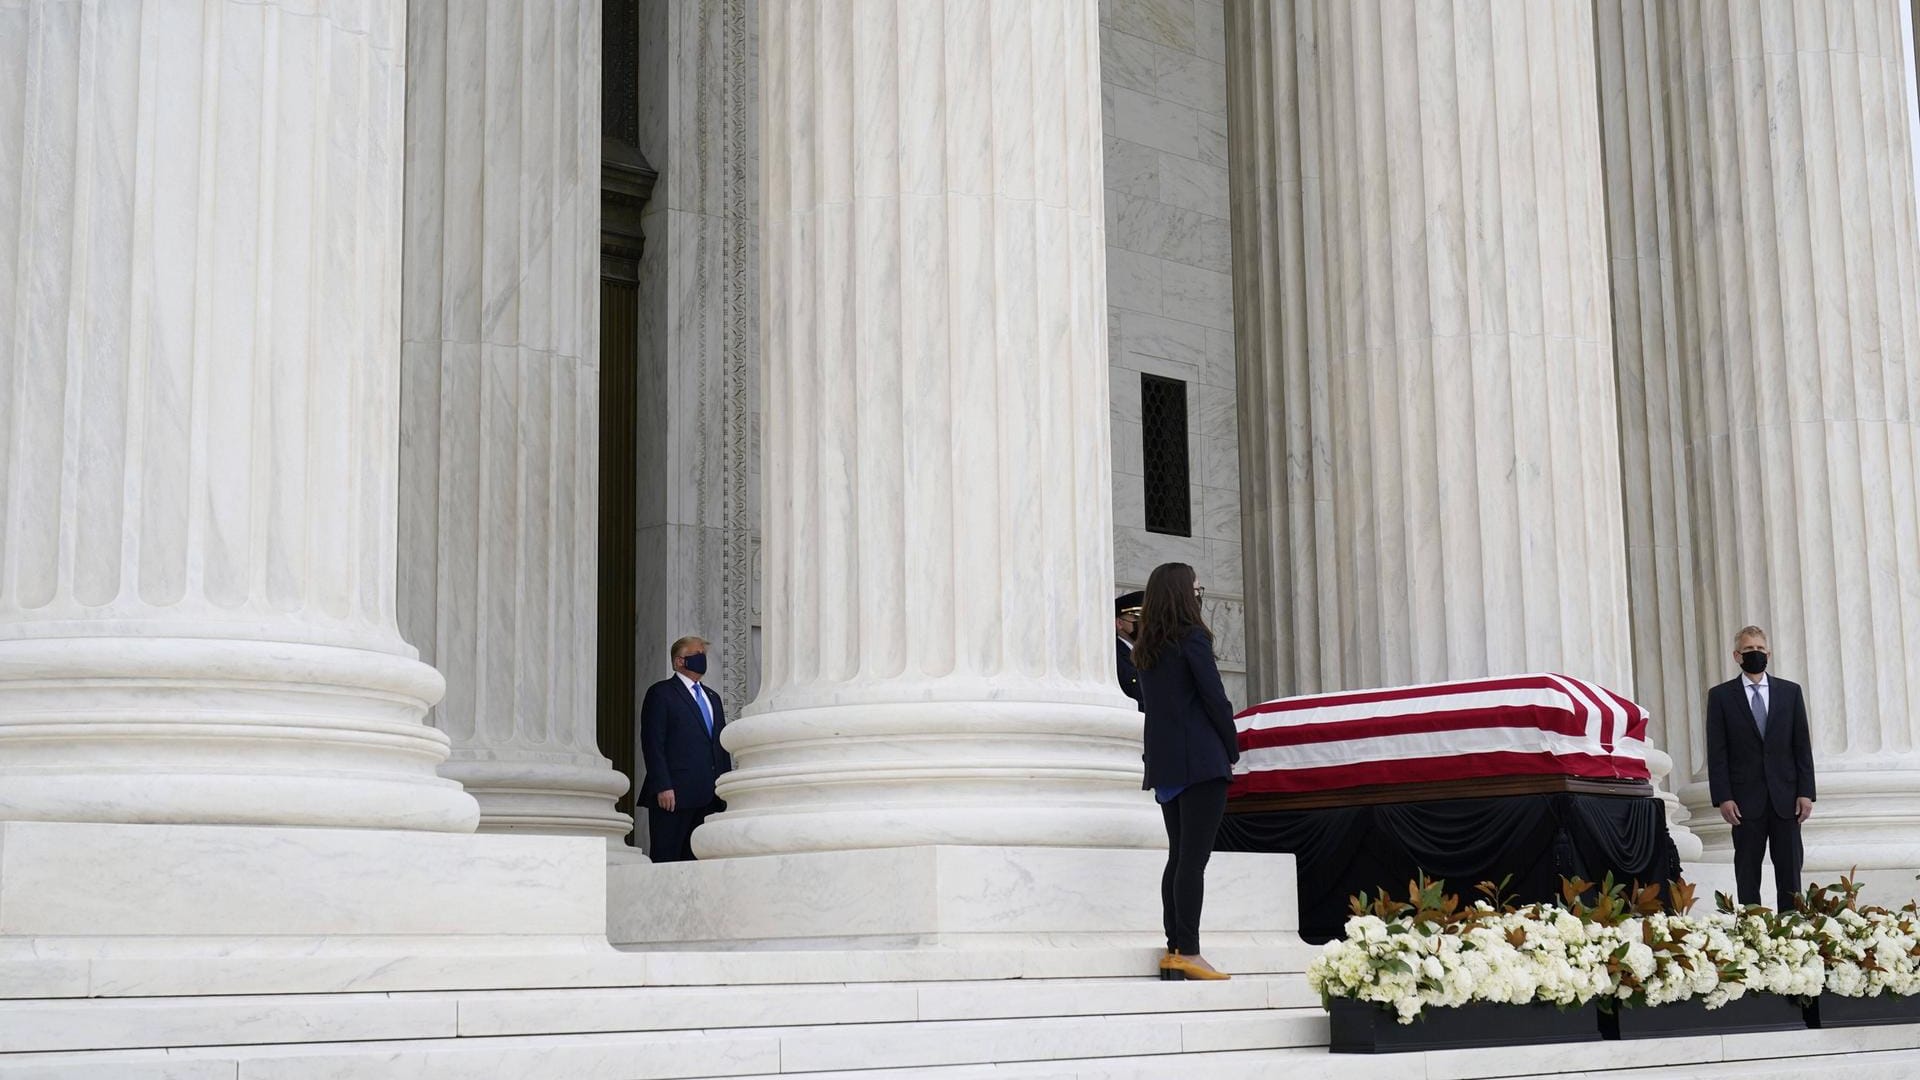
1759, 710
706, 710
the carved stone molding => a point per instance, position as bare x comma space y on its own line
740, 344
626, 182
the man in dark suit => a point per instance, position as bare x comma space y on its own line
1126, 623
1760, 768
680, 724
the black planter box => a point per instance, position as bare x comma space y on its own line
1751, 1012
1832, 1010
1361, 1027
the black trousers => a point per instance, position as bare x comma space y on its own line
669, 832
1193, 821
1752, 838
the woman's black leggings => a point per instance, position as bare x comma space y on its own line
1193, 819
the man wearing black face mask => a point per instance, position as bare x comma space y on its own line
1760, 769
680, 723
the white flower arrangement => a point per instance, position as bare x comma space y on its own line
1866, 951
1624, 950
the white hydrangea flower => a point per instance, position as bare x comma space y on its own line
1541, 953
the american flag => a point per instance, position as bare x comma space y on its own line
1516, 725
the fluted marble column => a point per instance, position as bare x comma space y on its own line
1286, 458
1650, 365
1455, 496
199, 384
500, 401
1800, 297
938, 533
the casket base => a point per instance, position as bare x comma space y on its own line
1471, 788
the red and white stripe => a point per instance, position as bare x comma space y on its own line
1518, 725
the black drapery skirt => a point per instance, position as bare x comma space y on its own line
1537, 839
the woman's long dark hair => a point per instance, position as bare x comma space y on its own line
1170, 610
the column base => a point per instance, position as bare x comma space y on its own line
226, 730
933, 763
98, 890
1865, 823
1685, 842
562, 798
938, 896
1887, 887
1660, 769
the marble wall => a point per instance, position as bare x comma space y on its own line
1170, 290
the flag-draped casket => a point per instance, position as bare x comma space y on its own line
1541, 725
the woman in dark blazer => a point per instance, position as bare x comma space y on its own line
1191, 747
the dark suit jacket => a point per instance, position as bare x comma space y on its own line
1756, 773
1123, 665
679, 754
1189, 726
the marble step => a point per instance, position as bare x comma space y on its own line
1302, 1063
1290, 1063
701, 1053
122, 1023
1886, 1053
1799, 1047
1244, 1043
239, 973
1859, 1065
530, 1012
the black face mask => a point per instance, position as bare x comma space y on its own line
1753, 661
696, 662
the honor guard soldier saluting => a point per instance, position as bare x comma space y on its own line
1126, 623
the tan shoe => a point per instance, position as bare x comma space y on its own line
1193, 967
1166, 967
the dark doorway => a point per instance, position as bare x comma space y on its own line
626, 181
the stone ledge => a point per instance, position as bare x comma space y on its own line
1889, 886
917, 896
1257, 1044
546, 963
87, 890
68, 1025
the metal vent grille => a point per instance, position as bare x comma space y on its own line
1163, 448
